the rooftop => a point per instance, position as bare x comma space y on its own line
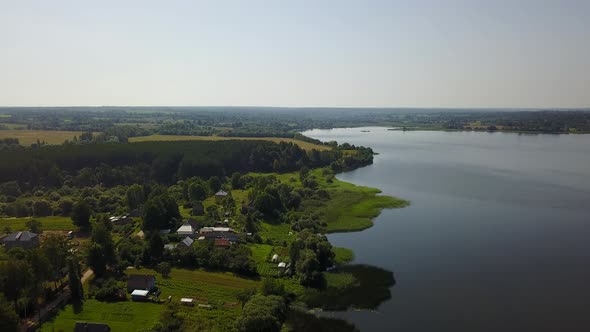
23, 236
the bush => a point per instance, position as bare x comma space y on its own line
110, 291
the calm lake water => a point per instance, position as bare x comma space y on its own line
497, 237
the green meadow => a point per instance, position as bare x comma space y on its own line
51, 223
215, 289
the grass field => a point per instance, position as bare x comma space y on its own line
27, 137
211, 288
120, 316
302, 144
343, 255
53, 223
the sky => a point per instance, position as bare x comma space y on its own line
424, 53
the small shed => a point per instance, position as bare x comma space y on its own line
282, 265
187, 301
275, 258
139, 295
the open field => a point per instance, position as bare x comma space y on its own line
27, 137
302, 144
121, 316
52, 223
210, 288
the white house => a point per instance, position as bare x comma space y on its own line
187, 229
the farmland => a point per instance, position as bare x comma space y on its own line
302, 144
28, 137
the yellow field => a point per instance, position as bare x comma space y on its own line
27, 137
302, 144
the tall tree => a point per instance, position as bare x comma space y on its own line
96, 259
197, 191
135, 196
17, 276
74, 280
102, 236
8, 316
81, 214
55, 247
156, 246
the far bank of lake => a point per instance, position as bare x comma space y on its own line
495, 238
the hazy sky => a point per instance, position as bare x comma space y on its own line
296, 53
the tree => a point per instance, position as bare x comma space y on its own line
170, 320
164, 269
55, 247
81, 214
54, 177
74, 280
66, 205
156, 246
245, 295
8, 316
262, 313
34, 226
135, 196
102, 236
236, 180
214, 184
41, 208
16, 276
196, 191
271, 286
96, 259
160, 212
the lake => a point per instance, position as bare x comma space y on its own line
497, 237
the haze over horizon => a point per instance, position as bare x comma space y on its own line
447, 54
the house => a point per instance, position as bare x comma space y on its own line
187, 301
140, 295
211, 233
141, 282
121, 220
91, 327
189, 228
185, 243
25, 240
222, 243
220, 195
206, 230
